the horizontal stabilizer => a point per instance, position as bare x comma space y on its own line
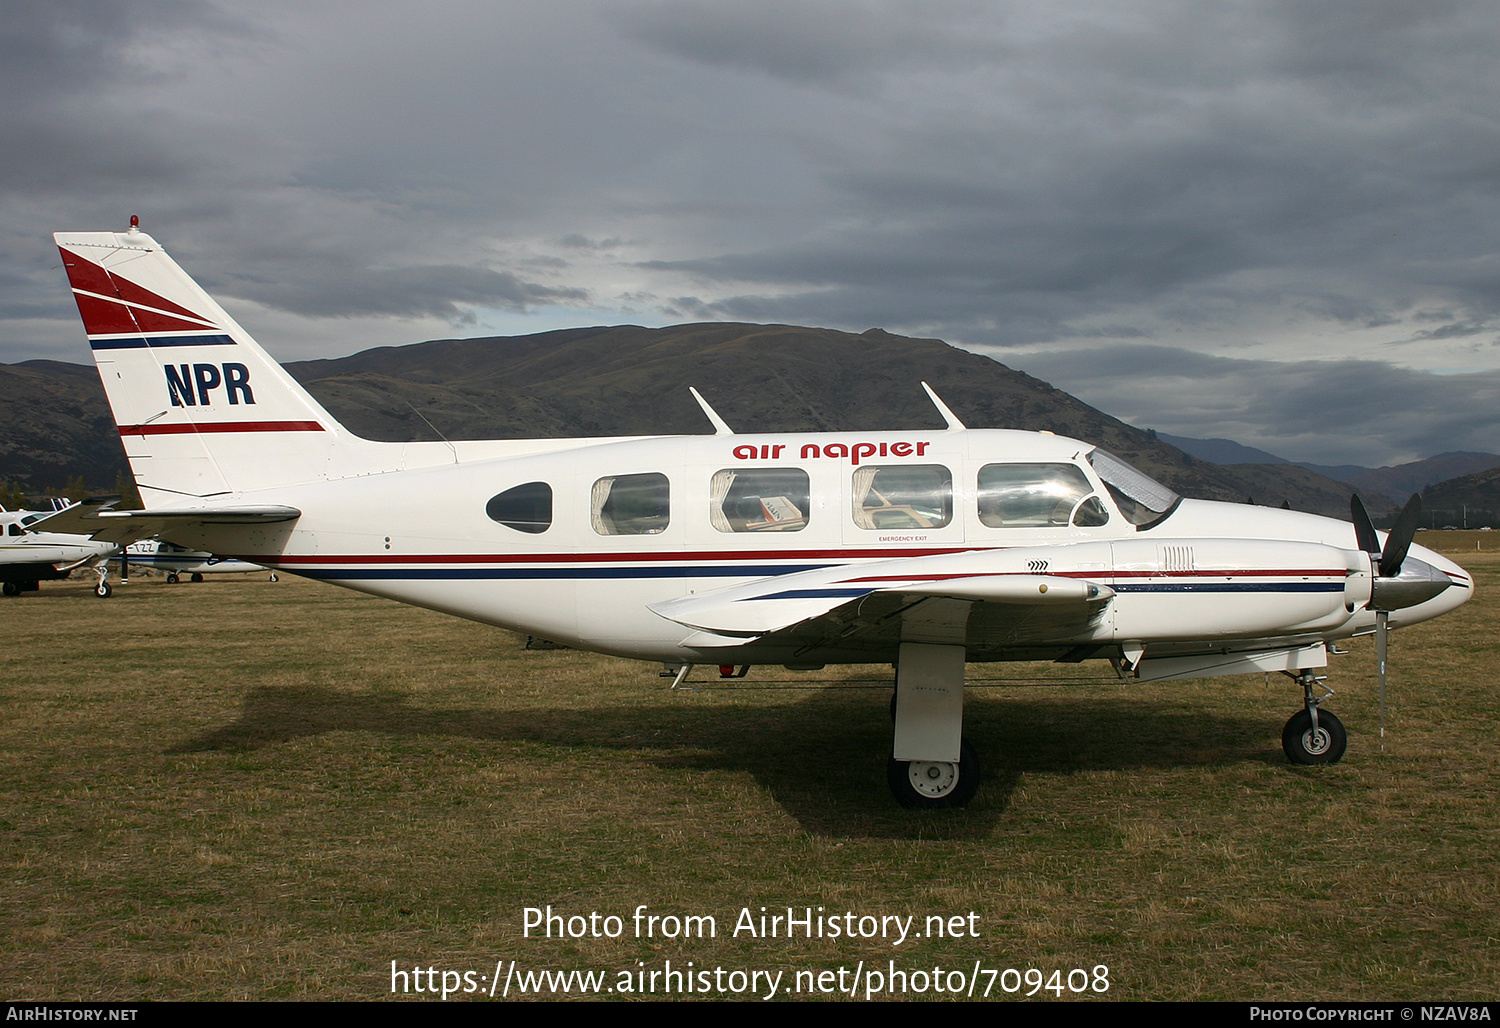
96, 519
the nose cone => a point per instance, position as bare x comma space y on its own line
1429, 585
1417, 583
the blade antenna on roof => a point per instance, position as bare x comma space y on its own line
720, 428
954, 425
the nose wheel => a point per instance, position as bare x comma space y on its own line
1313, 735
1305, 744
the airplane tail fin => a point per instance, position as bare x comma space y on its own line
202, 410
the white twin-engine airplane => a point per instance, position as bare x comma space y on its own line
927, 549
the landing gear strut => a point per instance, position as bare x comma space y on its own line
1313, 735
932, 765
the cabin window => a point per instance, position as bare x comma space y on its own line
759, 500
1038, 496
906, 496
631, 505
525, 508
14, 529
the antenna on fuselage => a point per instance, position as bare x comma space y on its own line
720, 428
954, 425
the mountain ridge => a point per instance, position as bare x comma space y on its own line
630, 380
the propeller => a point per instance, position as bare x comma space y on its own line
1395, 586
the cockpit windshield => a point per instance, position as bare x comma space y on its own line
1143, 500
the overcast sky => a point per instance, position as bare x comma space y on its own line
1277, 222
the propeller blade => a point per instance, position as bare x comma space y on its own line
1364, 531
1382, 627
1399, 541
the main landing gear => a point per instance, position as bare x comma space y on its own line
1313, 735
932, 765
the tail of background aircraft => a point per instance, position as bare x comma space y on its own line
201, 408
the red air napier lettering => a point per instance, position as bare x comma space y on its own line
854, 451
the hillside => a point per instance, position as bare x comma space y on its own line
1467, 502
629, 380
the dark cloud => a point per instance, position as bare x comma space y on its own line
1270, 181
1335, 411
825, 42
449, 292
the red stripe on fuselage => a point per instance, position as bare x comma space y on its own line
222, 426
1105, 573
673, 556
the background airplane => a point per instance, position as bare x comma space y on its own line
30, 555
176, 561
923, 549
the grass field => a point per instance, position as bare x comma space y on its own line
246, 790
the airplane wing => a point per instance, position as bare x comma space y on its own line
986, 600
94, 517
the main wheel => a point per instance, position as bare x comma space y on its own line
929, 785
196, 577
1305, 746
12, 588
171, 578
103, 590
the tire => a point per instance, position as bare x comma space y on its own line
924, 785
11, 589
196, 577
103, 590
1303, 747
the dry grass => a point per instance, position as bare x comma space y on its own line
246, 790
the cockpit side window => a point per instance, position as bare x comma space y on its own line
905, 496
1143, 500
759, 500
631, 505
1038, 496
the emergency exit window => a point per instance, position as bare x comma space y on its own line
905, 496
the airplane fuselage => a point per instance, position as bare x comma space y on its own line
590, 575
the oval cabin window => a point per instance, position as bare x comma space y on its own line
526, 508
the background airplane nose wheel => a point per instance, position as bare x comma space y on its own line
923, 784
103, 590
1304, 745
